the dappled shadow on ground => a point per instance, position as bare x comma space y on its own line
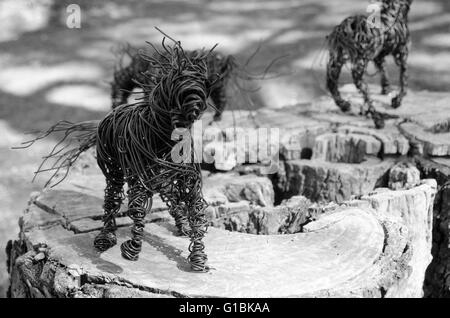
56, 73
55, 56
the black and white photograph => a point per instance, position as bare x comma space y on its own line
245, 151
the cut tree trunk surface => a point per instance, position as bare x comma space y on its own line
358, 249
371, 243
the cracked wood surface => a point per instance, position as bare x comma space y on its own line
352, 250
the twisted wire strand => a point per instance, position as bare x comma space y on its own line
140, 203
77, 139
113, 199
184, 194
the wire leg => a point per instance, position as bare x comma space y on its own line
358, 69
334, 68
199, 226
401, 60
380, 64
113, 200
181, 220
140, 203
177, 209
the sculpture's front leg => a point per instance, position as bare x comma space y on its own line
113, 200
140, 203
199, 225
401, 58
358, 70
334, 66
181, 221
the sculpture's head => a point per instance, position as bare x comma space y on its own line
400, 7
189, 89
179, 88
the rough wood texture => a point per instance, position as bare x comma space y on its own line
415, 208
437, 283
329, 181
323, 131
351, 250
325, 155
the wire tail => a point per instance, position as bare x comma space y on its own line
76, 139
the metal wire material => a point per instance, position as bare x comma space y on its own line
141, 72
227, 79
133, 144
355, 41
77, 138
133, 141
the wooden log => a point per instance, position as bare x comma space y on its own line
358, 249
376, 245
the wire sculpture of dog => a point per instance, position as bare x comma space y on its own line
358, 41
134, 141
139, 70
134, 146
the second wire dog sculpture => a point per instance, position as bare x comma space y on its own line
359, 42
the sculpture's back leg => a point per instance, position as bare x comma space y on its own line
400, 58
177, 209
380, 64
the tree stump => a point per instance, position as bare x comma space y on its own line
366, 243
372, 247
